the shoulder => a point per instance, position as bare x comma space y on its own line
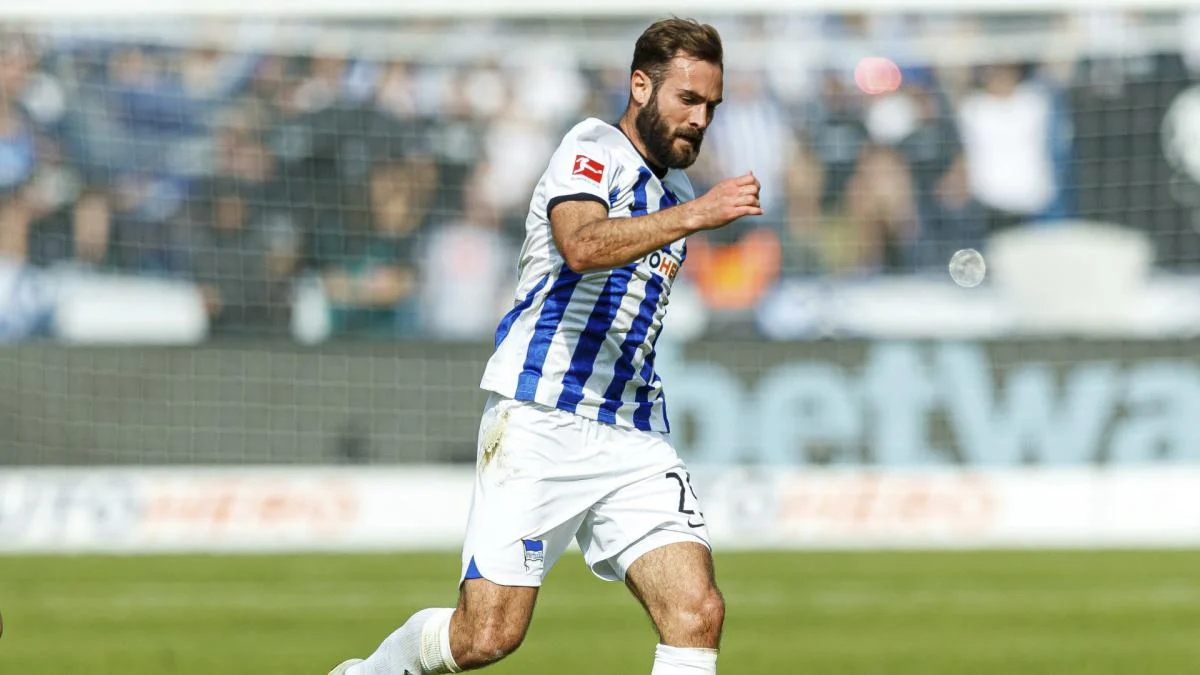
596, 136
593, 130
596, 149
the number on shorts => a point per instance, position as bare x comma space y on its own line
685, 486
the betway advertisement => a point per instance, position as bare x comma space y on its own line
885, 405
941, 404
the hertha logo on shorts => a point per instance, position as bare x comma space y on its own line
535, 555
588, 168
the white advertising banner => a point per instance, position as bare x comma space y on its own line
1041, 508
260, 509
422, 508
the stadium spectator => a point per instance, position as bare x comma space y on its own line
1006, 125
324, 86
466, 272
18, 148
395, 92
803, 251
546, 83
922, 130
242, 255
47, 214
457, 136
752, 131
74, 228
867, 198
238, 231
110, 148
514, 145
368, 265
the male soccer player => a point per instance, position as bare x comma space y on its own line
574, 439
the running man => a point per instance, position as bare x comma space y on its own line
574, 442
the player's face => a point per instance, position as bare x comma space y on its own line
672, 122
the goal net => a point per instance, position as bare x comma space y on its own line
289, 239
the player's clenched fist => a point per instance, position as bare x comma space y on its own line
727, 201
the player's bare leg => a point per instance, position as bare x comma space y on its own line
489, 623
677, 587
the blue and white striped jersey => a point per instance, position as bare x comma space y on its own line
584, 343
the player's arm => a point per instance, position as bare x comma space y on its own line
589, 240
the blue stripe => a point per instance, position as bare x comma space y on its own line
641, 206
509, 319
613, 195
668, 200
472, 571
623, 371
553, 310
647, 368
641, 416
583, 361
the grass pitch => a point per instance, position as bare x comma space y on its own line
984, 613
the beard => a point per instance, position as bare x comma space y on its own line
664, 144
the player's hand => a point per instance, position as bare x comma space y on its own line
727, 201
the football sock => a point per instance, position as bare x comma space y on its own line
420, 647
684, 661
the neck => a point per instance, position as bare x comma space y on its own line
628, 126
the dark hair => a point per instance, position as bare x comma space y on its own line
666, 39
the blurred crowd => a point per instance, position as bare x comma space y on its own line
402, 184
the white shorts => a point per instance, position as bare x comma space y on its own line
544, 476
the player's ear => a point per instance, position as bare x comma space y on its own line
640, 87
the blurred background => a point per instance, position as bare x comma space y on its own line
251, 269
287, 241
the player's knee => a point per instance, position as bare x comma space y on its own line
697, 621
712, 610
493, 641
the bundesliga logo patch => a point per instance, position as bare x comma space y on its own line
588, 168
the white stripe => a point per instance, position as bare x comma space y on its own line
566, 339
605, 363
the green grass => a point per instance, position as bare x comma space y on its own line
982, 613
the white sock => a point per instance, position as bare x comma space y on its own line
420, 647
684, 661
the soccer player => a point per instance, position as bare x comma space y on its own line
574, 440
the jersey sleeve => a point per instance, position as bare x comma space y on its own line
580, 170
